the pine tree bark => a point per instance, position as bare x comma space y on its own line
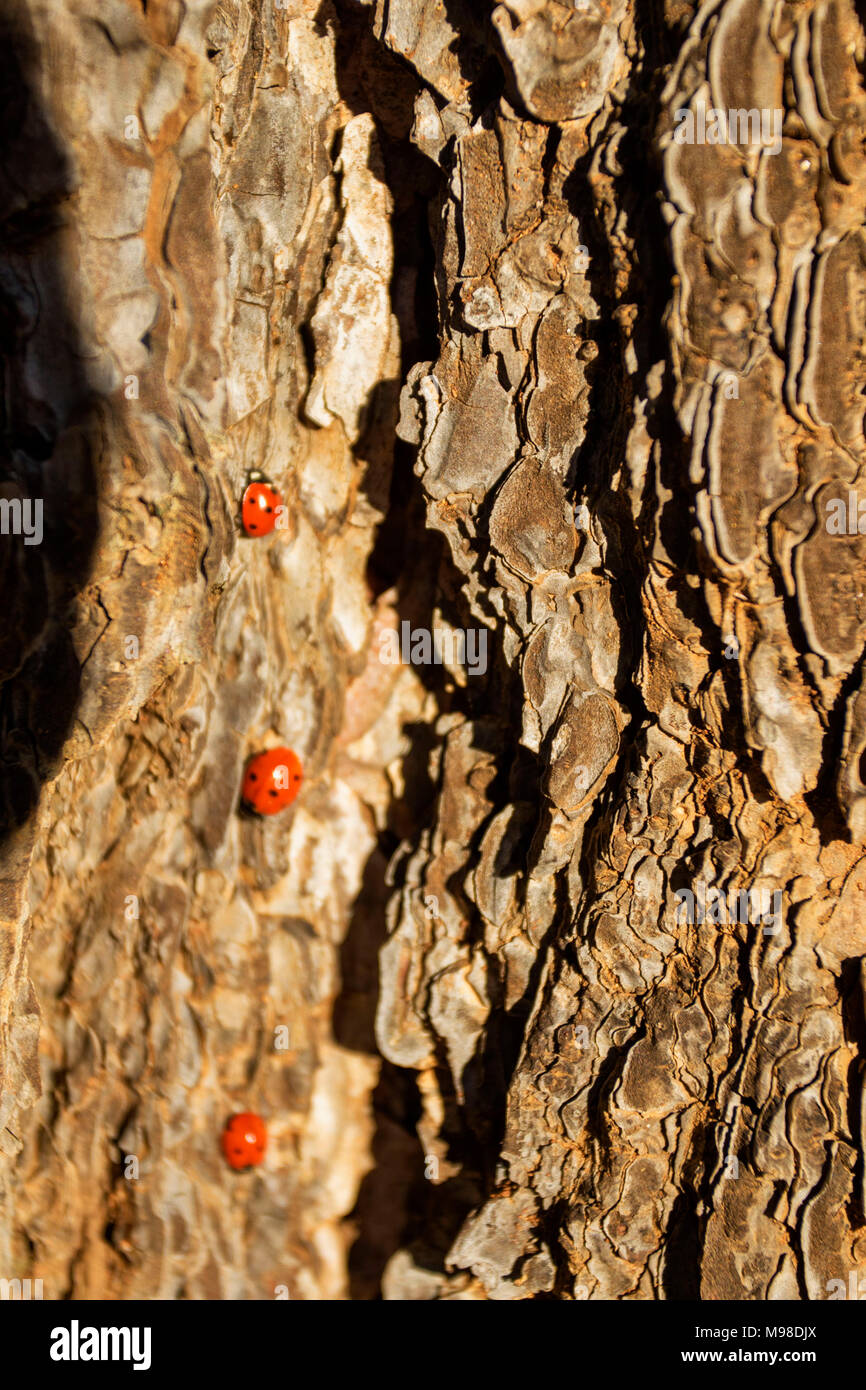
551, 984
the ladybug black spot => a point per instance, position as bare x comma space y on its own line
269, 509
253, 526
272, 792
254, 776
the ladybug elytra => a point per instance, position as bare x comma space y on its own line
259, 506
272, 780
244, 1140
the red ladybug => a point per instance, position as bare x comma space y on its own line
244, 1140
272, 781
259, 506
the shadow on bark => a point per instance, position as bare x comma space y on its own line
48, 423
397, 1207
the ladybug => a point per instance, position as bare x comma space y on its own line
272, 780
259, 505
244, 1140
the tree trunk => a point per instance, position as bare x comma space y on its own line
547, 323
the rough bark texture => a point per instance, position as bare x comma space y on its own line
519, 362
